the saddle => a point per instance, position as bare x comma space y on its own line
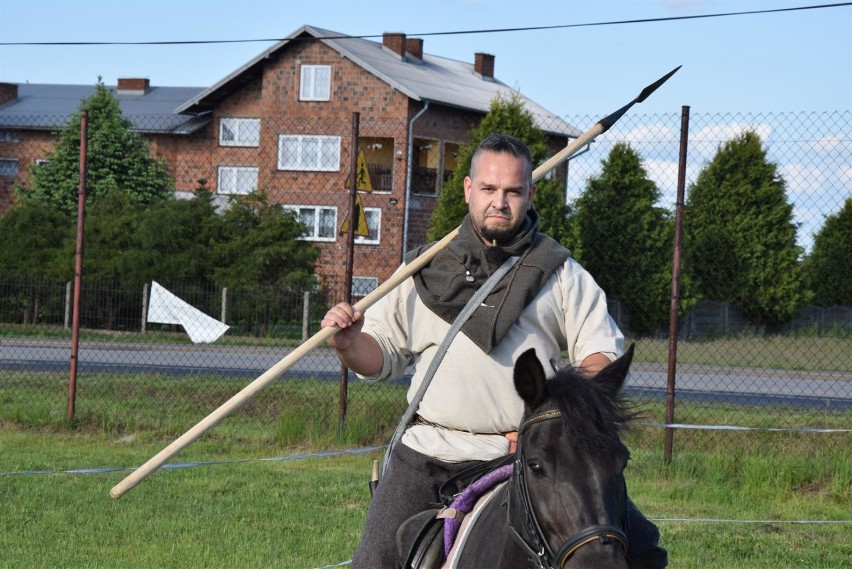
420, 540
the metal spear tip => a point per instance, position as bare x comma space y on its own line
646, 92
610, 120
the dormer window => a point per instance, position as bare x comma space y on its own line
316, 83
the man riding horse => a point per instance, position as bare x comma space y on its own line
546, 302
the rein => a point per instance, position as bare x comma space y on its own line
537, 547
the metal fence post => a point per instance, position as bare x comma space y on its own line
67, 320
223, 318
306, 315
144, 325
675, 300
78, 265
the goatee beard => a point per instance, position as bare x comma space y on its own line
496, 236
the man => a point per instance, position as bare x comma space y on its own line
468, 414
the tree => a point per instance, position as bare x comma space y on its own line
36, 247
739, 235
507, 116
117, 157
259, 244
626, 241
829, 266
176, 238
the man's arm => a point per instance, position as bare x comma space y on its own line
358, 351
594, 363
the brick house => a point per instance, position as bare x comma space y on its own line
283, 123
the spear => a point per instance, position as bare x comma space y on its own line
323, 335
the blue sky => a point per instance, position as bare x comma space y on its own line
737, 66
791, 61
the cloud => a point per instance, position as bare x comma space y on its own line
803, 179
724, 132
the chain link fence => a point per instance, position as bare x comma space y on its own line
135, 375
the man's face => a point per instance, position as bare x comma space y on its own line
498, 196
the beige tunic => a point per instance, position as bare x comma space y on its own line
473, 393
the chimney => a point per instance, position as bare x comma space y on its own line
394, 42
414, 47
8, 92
133, 86
483, 65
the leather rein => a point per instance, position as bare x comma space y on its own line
537, 548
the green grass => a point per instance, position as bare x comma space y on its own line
308, 513
791, 352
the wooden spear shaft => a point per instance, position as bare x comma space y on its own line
320, 337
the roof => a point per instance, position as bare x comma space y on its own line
183, 110
46, 106
436, 79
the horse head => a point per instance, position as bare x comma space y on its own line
568, 497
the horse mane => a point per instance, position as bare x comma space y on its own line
594, 420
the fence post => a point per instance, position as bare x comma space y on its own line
350, 255
67, 320
675, 300
144, 325
223, 317
78, 265
306, 315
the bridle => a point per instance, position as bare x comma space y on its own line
537, 547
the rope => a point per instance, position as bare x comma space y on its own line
323, 454
740, 428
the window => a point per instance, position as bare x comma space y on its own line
424, 167
362, 286
237, 179
7, 135
8, 167
308, 152
316, 83
239, 132
320, 222
374, 224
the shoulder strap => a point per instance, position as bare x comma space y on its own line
470, 307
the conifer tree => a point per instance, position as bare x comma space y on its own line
625, 241
739, 235
829, 266
117, 157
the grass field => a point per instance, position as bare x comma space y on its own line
308, 513
743, 493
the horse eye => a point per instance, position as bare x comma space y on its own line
536, 468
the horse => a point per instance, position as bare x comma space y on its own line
565, 505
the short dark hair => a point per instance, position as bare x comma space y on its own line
498, 143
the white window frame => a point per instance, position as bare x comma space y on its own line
9, 167
362, 286
374, 222
293, 153
237, 187
314, 231
309, 88
246, 131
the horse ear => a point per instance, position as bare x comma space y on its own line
612, 377
529, 378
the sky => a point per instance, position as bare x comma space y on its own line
564, 54
787, 61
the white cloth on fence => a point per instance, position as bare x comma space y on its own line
166, 308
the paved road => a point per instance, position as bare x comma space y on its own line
830, 390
